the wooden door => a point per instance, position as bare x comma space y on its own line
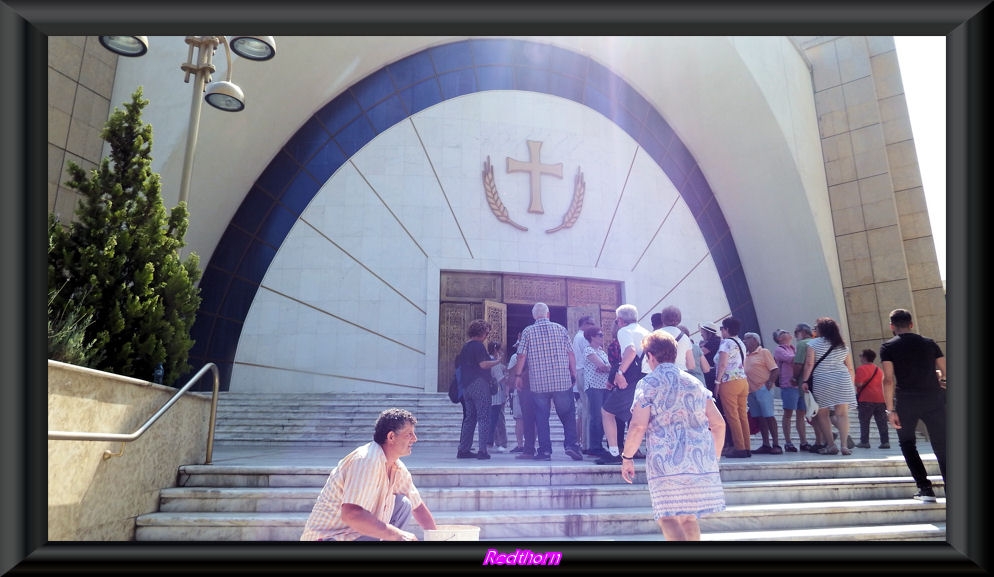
454, 319
495, 313
573, 315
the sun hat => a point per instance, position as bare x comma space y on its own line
709, 327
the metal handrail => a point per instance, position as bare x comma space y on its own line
125, 438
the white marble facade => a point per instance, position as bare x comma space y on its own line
350, 302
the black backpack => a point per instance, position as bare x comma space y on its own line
455, 387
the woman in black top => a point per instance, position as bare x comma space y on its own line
475, 363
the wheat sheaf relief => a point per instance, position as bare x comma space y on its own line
500, 211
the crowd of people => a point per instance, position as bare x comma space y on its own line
689, 402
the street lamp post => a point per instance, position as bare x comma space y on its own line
223, 95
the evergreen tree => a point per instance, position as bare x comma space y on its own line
118, 264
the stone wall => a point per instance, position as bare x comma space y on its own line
91, 498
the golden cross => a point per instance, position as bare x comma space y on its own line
536, 169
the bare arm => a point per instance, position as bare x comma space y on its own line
601, 366
690, 360
889, 385
423, 516
809, 364
852, 371
519, 366
940, 364
717, 424
627, 358
366, 523
633, 440
719, 373
705, 367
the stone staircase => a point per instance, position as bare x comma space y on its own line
791, 497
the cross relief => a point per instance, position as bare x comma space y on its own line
535, 169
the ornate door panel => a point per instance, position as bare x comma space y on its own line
454, 319
496, 314
573, 315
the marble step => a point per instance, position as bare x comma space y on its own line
529, 523
538, 474
301, 499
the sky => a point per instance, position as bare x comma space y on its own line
922, 60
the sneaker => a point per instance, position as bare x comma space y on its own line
465, 455
543, 457
739, 454
926, 495
790, 448
517, 449
764, 450
849, 442
529, 455
777, 450
501, 449
574, 454
609, 459
862, 445
884, 446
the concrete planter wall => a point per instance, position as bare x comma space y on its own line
95, 499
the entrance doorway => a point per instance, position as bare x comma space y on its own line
506, 300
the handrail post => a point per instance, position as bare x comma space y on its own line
213, 419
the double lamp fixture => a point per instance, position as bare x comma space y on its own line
224, 94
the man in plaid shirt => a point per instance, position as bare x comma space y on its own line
551, 365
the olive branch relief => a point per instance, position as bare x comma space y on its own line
500, 211
493, 198
575, 206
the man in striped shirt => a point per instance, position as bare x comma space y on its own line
369, 495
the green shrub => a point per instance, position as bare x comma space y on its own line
117, 266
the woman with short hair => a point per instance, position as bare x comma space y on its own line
684, 435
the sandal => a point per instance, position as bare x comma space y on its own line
804, 447
790, 448
846, 451
830, 450
777, 450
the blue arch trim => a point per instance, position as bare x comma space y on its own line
395, 92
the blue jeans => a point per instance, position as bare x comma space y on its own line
565, 409
401, 514
595, 430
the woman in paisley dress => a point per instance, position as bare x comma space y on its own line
684, 433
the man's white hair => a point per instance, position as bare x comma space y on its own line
752, 336
627, 313
540, 311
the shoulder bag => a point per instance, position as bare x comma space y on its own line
863, 386
810, 380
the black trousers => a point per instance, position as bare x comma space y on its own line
876, 411
929, 408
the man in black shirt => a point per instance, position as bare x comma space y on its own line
915, 390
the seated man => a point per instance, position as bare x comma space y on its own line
370, 495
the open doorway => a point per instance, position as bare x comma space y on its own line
520, 316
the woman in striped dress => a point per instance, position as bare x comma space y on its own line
831, 382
